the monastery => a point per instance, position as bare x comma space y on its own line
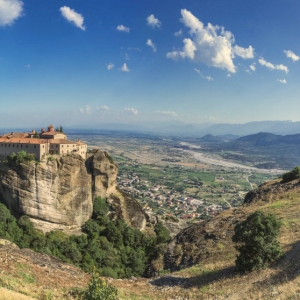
40, 144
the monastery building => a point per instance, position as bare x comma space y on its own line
43, 143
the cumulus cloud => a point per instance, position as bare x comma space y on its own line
10, 10
131, 111
110, 66
208, 78
123, 28
104, 107
271, 66
153, 22
178, 33
166, 113
87, 109
282, 81
291, 54
124, 68
209, 44
252, 67
151, 44
244, 53
72, 16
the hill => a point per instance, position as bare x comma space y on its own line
201, 256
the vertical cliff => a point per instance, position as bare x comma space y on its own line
58, 194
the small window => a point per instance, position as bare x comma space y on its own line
17, 146
26, 146
34, 146
43, 146
62, 146
8, 145
21, 146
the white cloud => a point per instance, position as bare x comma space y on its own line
178, 33
87, 109
151, 44
252, 67
166, 113
10, 10
110, 66
123, 28
153, 22
131, 110
228, 75
208, 78
104, 107
72, 16
244, 52
271, 66
27, 66
292, 55
211, 45
124, 68
282, 81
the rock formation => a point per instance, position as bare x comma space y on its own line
57, 194
207, 239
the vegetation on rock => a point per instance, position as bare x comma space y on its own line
256, 241
292, 175
114, 248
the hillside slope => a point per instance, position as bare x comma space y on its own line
204, 256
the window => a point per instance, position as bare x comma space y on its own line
8, 145
43, 146
21, 146
26, 146
17, 146
34, 146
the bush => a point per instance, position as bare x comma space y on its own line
292, 175
257, 243
99, 289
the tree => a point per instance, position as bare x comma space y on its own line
99, 289
256, 241
292, 175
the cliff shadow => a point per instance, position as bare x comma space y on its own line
206, 277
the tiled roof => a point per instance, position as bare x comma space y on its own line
31, 141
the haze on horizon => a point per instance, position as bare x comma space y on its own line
88, 63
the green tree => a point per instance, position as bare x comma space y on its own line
256, 241
99, 289
162, 233
292, 175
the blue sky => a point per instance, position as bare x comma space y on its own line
78, 62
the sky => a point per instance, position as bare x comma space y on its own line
85, 63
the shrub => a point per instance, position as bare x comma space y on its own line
99, 289
292, 175
257, 243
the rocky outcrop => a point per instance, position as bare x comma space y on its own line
208, 239
57, 194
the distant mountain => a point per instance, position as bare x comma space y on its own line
282, 151
275, 127
209, 138
181, 129
264, 139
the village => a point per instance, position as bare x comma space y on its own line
160, 199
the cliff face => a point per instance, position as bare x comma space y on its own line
59, 194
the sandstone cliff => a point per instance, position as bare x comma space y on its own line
58, 194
